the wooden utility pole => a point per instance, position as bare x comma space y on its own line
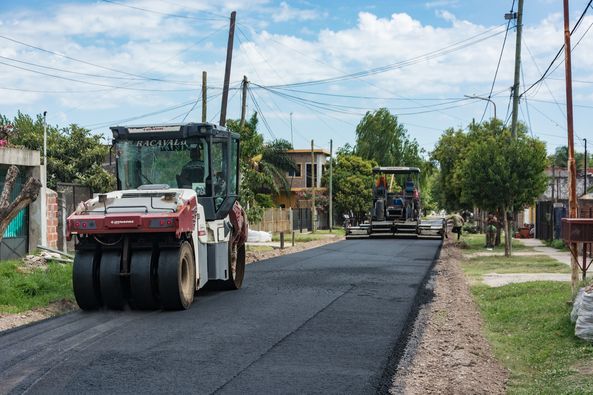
313, 209
331, 185
517, 69
572, 169
204, 95
227, 70
243, 101
585, 170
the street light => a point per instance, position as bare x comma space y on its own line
483, 98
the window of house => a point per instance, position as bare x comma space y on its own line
309, 175
297, 172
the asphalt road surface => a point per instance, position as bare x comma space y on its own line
324, 320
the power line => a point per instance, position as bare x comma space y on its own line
258, 109
162, 13
559, 51
504, 41
401, 64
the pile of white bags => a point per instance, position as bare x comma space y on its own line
582, 313
256, 236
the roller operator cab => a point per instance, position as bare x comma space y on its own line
173, 224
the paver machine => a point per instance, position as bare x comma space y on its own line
396, 202
173, 224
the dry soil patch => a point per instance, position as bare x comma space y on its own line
447, 352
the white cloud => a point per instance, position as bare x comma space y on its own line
287, 13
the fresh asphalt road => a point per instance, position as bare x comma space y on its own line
324, 320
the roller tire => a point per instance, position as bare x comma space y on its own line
85, 280
143, 285
177, 277
236, 273
110, 280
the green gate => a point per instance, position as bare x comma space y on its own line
15, 241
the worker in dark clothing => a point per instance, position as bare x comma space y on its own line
193, 171
491, 223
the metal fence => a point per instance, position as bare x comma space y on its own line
15, 240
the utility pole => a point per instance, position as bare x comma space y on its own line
313, 209
244, 102
517, 69
44, 186
331, 186
572, 169
291, 140
585, 170
227, 70
204, 95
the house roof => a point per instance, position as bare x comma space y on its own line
308, 151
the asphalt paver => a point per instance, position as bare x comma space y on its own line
329, 320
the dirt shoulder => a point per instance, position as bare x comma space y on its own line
447, 352
9, 321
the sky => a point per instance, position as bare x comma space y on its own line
320, 64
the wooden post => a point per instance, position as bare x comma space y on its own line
204, 95
227, 70
243, 102
313, 210
572, 170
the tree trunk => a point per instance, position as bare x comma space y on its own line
498, 228
507, 235
9, 210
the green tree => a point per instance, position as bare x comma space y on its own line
352, 184
263, 167
500, 172
380, 137
74, 154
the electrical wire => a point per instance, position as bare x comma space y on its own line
544, 75
161, 13
504, 41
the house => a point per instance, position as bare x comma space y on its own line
300, 180
552, 205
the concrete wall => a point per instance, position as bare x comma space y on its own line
28, 162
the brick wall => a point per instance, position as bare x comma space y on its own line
52, 219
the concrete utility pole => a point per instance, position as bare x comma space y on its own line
204, 95
244, 102
291, 139
227, 70
572, 169
44, 185
313, 209
331, 186
517, 69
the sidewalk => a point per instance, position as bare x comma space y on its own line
562, 256
499, 279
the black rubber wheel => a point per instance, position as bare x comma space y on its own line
110, 280
177, 277
143, 285
236, 267
85, 280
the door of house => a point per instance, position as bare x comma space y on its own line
15, 241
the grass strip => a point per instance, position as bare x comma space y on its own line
529, 328
21, 291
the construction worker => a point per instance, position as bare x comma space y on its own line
457, 224
491, 222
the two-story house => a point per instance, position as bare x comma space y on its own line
301, 180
